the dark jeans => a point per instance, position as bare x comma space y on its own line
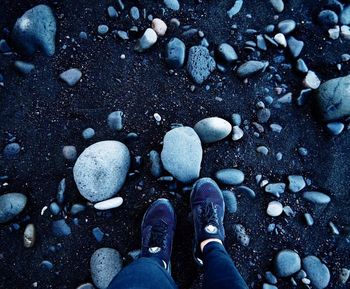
149, 273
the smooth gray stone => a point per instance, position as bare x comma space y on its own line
301, 66
55, 208
303, 151
11, 205
175, 53
102, 29
11, 150
83, 35
182, 154
296, 183
304, 96
86, 286
246, 190
98, 234
335, 128
268, 286
105, 263
230, 201
24, 67
4, 48
135, 13
328, 18
156, 164
295, 46
309, 219
251, 67
36, 29
100, 171
172, 4
71, 76
263, 115
112, 13
262, 150
286, 26
278, 5
46, 265
316, 197
60, 228
260, 42
227, 53
333, 97
345, 16
77, 208
230, 176
115, 120
316, 271
235, 8
212, 129
236, 119
344, 275
241, 235
88, 133
270, 277
275, 188
200, 63
286, 263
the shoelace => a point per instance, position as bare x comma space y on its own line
158, 235
209, 214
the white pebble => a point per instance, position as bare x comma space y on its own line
274, 209
311, 80
159, 26
281, 39
109, 204
237, 133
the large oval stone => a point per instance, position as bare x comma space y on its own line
182, 154
101, 169
212, 129
11, 205
316, 271
287, 262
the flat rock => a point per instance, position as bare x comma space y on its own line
333, 97
227, 53
230, 201
286, 263
295, 46
60, 228
251, 67
316, 271
230, 176
286, 26
200, 63
105, 263
241, 234
71, 76
296, 183
316, 197
212, 129
11, 205
100, 171
275, 188
35, 29
175, 53
182, 154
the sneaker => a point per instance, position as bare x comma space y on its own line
208, 209
157, 231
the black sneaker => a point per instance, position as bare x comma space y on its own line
208, 210
157, 231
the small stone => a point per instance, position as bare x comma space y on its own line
263, 115
270, 277
46, 265
334, 229
286, 263
241, 234
274, 209
236, 119
175, 53
230, 201
109, 204
276, 127
287, 98
135, 13
275, 189
69, 153
335, 128
344, 275
279, 156
115, 120
55, 208
172, 4
237, 133
235, 8
345, 31
309, 220
303, 151
345, 16
301, 66
316, 271
159, 26
311, 80
29, 236
86, 286
83, 35
24, 67
77, 208
304, 96
156, 164
250, 68
227, 53
148, 39
4, 48
230, 176
112, 13
278, 5
280, 39
60, 228
296, 183
328, 18
288, 211
98, 234
316, 197
11, 150
260, 42
268, 286
102, 29
262, 150
286, 26
300, 275
271, 227
71, 76
334, 33
212, 129
88, 133
200, 63
295, 46
11, 204
247, 191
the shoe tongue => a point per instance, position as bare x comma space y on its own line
210, 229
154, 250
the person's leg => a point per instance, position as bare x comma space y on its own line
152, 270
208, 210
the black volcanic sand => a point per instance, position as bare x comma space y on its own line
45, 114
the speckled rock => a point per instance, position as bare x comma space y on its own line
200, 63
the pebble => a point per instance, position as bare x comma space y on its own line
296, 183
247, 191
156, 164
328, 18
11, 150
71, 76
88, 133
109, 204
11, 204
274, 209
200, 63
55, 208
334, 33
334, 229
235, 8
159, 26
102, 29
227, 53
270, 277
287, 98
260, 42
333, 97
60, 191
236, 119
102, 179
276, 127
237, 133
268, 286
69, 153
24, 67
241, 235
263, 115
105, 263
278, 5
77, 208
316, 271
98, 234
295, 46
309, 219
123, 35
279, 156
175, 53
212, 129
280, 39
182, 154
46, 265
316, 197
230, 176
344, 275
230, 201
29, 236
345, 16
172, 4
251, 67
301, 66
335, 128
345, 31
86, 286
300, 275
4, 48
304, 96
262, 150
83, 35
135, 13
286, 26
311, 80
286, 263
288, 211
148, 39
35, 29
112, 13
275, 189
60, 228
303, 151
115, 120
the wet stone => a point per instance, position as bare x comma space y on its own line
278, 5
24, 67
301, 66
270, 277
11, 150
102, 29
172, 4
309, 220
212, 129
11, 204
275, 188
247, 191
